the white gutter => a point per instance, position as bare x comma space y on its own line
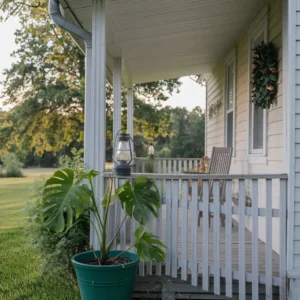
59, 20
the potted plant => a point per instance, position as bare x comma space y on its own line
104, 273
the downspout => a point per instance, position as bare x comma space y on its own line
59, 20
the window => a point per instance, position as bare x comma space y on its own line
257, 116
230, 100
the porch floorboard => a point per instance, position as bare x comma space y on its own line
235, 245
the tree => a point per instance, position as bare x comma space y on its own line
46, 86
188, 132
15, 7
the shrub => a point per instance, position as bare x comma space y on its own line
76, 162
164, 152
12, 165
56, 248
1, 171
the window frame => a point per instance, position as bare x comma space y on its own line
259, 27
230, 59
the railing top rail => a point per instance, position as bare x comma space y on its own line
169, 158
204, 176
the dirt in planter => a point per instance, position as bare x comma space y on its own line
109, 262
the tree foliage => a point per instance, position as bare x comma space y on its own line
45, 87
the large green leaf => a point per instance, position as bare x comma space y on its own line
64, 200
149, 247
140, 199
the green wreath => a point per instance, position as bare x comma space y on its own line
264, 75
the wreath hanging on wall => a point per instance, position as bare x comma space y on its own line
264, 75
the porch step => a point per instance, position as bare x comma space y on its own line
168, 288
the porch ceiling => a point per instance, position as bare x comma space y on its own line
161, 39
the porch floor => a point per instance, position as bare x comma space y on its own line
235, 245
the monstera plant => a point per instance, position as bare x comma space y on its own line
66, 198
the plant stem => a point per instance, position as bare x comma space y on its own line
104, 250
95, 210
96, 257
97, 232
116, 257
112, 240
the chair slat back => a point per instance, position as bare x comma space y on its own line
220, 161
219, 165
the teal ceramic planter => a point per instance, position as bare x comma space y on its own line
105, 282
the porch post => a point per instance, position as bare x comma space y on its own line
130, 111
117, 87
130, 123
97, 135
291, 23
88, 111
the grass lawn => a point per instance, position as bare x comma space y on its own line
20, 274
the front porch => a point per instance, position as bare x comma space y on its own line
143, 41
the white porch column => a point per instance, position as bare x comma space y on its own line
130, 122
130, 112
89, 109
291, 50
117, 86
96, 137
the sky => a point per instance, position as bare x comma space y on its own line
191, 93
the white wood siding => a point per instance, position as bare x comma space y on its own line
215, 91
241, 163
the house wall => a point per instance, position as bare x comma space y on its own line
242, 162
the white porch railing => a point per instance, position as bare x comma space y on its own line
243, 252
166, 165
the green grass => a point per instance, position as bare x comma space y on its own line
20, 273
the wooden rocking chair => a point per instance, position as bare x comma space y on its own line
219, 165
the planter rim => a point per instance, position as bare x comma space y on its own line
133, 256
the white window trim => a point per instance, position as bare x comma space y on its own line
258, 26
230, 58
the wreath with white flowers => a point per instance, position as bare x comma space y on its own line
264, 75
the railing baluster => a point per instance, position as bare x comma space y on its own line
255, 254
180, 166
184, 230
242, 269
216, 195
123, 228
143, 166
164, 166
269, 232
175, 166
175, 198
142, 268
228, 238
150, 229
170, 166
116, 215
158, 223
168, 226
283, 198
159, 166
132, 229
195, 232
196, 164
185, 165
205, 241
190, 164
